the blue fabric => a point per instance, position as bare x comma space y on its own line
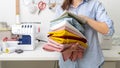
93, 57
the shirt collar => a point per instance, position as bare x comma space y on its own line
80, 3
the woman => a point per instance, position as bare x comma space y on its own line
97, 21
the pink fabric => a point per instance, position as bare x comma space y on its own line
73, 53
9, 39
52, 47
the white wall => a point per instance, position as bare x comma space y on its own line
7, 13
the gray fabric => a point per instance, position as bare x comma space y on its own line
67, 14
72, 21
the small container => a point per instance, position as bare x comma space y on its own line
9, 50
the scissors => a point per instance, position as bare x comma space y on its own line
41, 6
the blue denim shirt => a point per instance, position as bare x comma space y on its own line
93, 57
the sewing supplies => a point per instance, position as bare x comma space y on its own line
52, 5
39, 40
9, 49
19, 51
26, 33
41, 6
8, 46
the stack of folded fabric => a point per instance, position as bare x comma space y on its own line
67, 36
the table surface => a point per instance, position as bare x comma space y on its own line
41, 55
36, 55
112, 54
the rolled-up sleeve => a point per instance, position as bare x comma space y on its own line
101, 15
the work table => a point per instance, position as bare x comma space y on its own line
111, 56
36, 55
39, 55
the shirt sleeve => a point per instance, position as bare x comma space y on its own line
101, 15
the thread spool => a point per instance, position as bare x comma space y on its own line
9, 50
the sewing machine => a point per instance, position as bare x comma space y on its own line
26, 35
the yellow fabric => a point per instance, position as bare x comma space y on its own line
60, 33
67, 41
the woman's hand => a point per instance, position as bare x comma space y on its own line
98, 26
83, 18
